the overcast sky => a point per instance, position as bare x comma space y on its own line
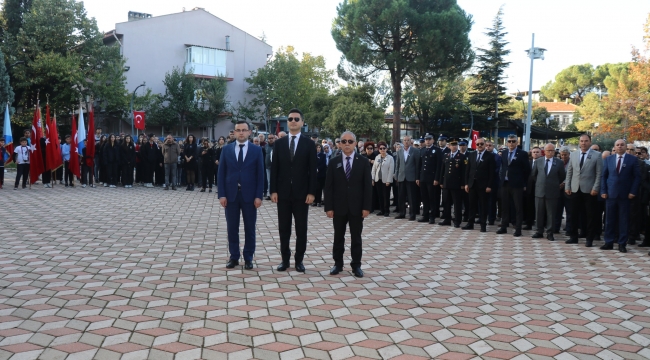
573, 31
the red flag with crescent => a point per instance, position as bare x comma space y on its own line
138, 120
475, 136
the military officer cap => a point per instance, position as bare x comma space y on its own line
428, 136
442, 137
462, 142
453, 141
421, 140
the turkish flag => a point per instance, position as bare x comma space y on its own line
277, 128
52, 147
74, 151
138, 120
90, 148
475, 136
36, 166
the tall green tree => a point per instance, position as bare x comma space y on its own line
352, 108
180, 97
488, 96
213, 96
6, 91
403, 37
12, 15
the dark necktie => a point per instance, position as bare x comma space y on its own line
546, 166
510, 157
240, 157
292, 146
478, 157
582, 159
348, 167
618, 166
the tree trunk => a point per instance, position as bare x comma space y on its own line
397, 106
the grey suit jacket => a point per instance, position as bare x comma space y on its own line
407, 170
587, 178
548, 186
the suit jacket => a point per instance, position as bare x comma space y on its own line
480, 174
348, 197
250, 175
530, 184
386, 166
621, 184
430, 163
452, 174
407, 170
548, 186
518, 169
294, 180
587, 178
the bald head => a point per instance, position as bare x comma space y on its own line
549, 150
620, 146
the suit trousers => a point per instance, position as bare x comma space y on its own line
112, 170
453, 197
249, 213
585, 206
406, 195
530, 206
383, 194
87, 174
636, 212
127, 174
545, 208
617, 220
356, 227
298, 211
563, 205
478, 198
147, 176
512, 197
430, 200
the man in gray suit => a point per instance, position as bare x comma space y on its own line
548, 173
406, 169
583, 186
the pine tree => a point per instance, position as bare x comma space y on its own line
6, 91
488, 96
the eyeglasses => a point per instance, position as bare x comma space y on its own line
344, 141
638, 153
296, 119
338, 141
382, 148
480, 144
512, 141
370, 148
241, 130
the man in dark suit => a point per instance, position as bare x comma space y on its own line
293, 187
452, 182
529, 194
619, 184
514, 174
240, 188
479, 177
348, 199
549, 175
431, 157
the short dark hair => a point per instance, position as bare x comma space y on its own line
643, 148
23, 139
296, 110
67, 136
243, 122
587, 135
27, 130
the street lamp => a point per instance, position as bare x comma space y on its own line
533, 53
132, 117
471, 128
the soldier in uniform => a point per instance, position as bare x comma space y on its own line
431, 159
442, 144
452, 182
462, 148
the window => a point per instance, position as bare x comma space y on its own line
206, 61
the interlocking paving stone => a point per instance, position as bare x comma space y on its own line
140, 273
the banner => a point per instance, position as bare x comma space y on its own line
9, 140
475, 136
138, 120
36, 166
74, 154
52, 146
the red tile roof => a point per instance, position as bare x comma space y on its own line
558, 106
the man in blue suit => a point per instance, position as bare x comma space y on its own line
240, 186
620, 182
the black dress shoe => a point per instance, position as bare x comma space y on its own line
456, 225
567, 233
550, 237
412, 218
357, 272
231, 264
597, 238
248, 265
502, 231
283, 267
400, 217
589, 243
609, 246
517, 233
571, 241
528, 227
423, 219
468, 227
483, 228
300, 267
432, 221
445, 223
631, 241
491, 223
622, 248
336, 269
582, 235
537, 235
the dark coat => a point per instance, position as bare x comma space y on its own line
481, 174
208, 159
127, 155
517, 171
351, 196
452, 176
321, 165
191, 149
111, 154
294, 180
149, 153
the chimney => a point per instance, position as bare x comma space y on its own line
227, 42
133, 16
566, 101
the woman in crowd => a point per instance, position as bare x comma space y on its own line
321, 170
128, 157
382, 177
370, 154
111, 161
180, 172
138, 164
190, 151
99, 160
207, 164
221, 142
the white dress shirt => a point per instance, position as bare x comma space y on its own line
295, 141
244, 149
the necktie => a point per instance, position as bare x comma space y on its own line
618, 166
510, 157
582, 159
292, 146
348, 167
546, 166
478, 157
240, 157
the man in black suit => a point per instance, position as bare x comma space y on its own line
452, 182
514, 175
431, 158
529, 195
348, 199
293, 187
479, 177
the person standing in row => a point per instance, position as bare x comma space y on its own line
321, 170
406, 164
68, 176
431, 158
293, 187
21, 158
128, 161
383, 171
452, 182
207, 163
111, 157
149, 156
549, 175
479, 177
190, 152
348, 199
240, 188
171, 151
514, 175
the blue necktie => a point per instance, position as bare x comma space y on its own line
347, 168
240, 158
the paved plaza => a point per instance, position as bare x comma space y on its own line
140, 274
